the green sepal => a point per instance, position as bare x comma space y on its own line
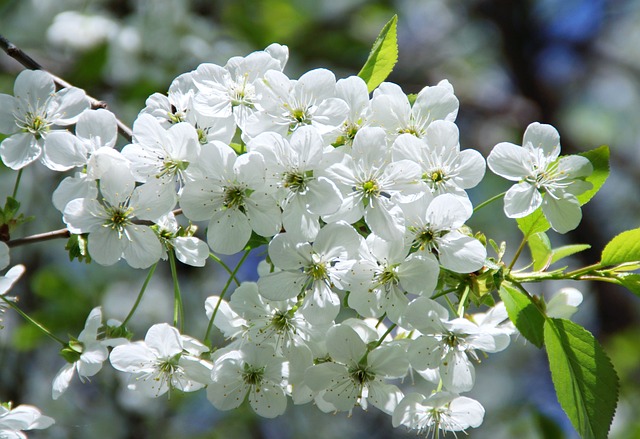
584, 378
256, 241
524, 313
72, 351
77, 246
383, 56
117, 332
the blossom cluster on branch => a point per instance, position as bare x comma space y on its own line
362, 202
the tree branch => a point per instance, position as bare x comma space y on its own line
47, 236
64, 233
16, 53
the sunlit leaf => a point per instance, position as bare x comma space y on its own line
625, 247
583, 376
524, 314
383, 56
599, 159
567, 250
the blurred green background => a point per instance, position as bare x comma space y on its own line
572, 63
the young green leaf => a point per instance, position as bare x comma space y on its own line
624, 247
599, 159
540, 248
534, 223
524, 314
383, 56
630, 281
567, 250
583, 376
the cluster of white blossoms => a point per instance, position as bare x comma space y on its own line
362, 201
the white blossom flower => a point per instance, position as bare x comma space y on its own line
81, 32
564, 303
254, 371
162, 155
23, 417
432, 228
371, 184
188, 249
447, 344
110, 221
544, 179
178, 106
381, 278
6, 282
445, 169
33, 113
292, 168
165, 360
357, 375
271, 322
84, 354
230, 91
289, 104
95, 129
313, 269
353, 90
393, 112
231, 195
444, 411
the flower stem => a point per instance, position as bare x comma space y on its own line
225, 266
517, 255
463, 299
489, 201
140, 294
381, 339
32, 321
178, 310
15, 187
224, 291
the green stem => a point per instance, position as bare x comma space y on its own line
225, 266
381, 339
224, 291
489, 201
463, 299
451, 305
140, 294
15, 187
517, 255
32, 321
584, 270
178, 311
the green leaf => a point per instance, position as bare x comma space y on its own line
524, 314
624, 247
630, 281
583, 376
599, 159
567, 250
534, 223
383, 56
540, 248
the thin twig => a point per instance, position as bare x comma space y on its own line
47, 236
16, 53
64, 233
